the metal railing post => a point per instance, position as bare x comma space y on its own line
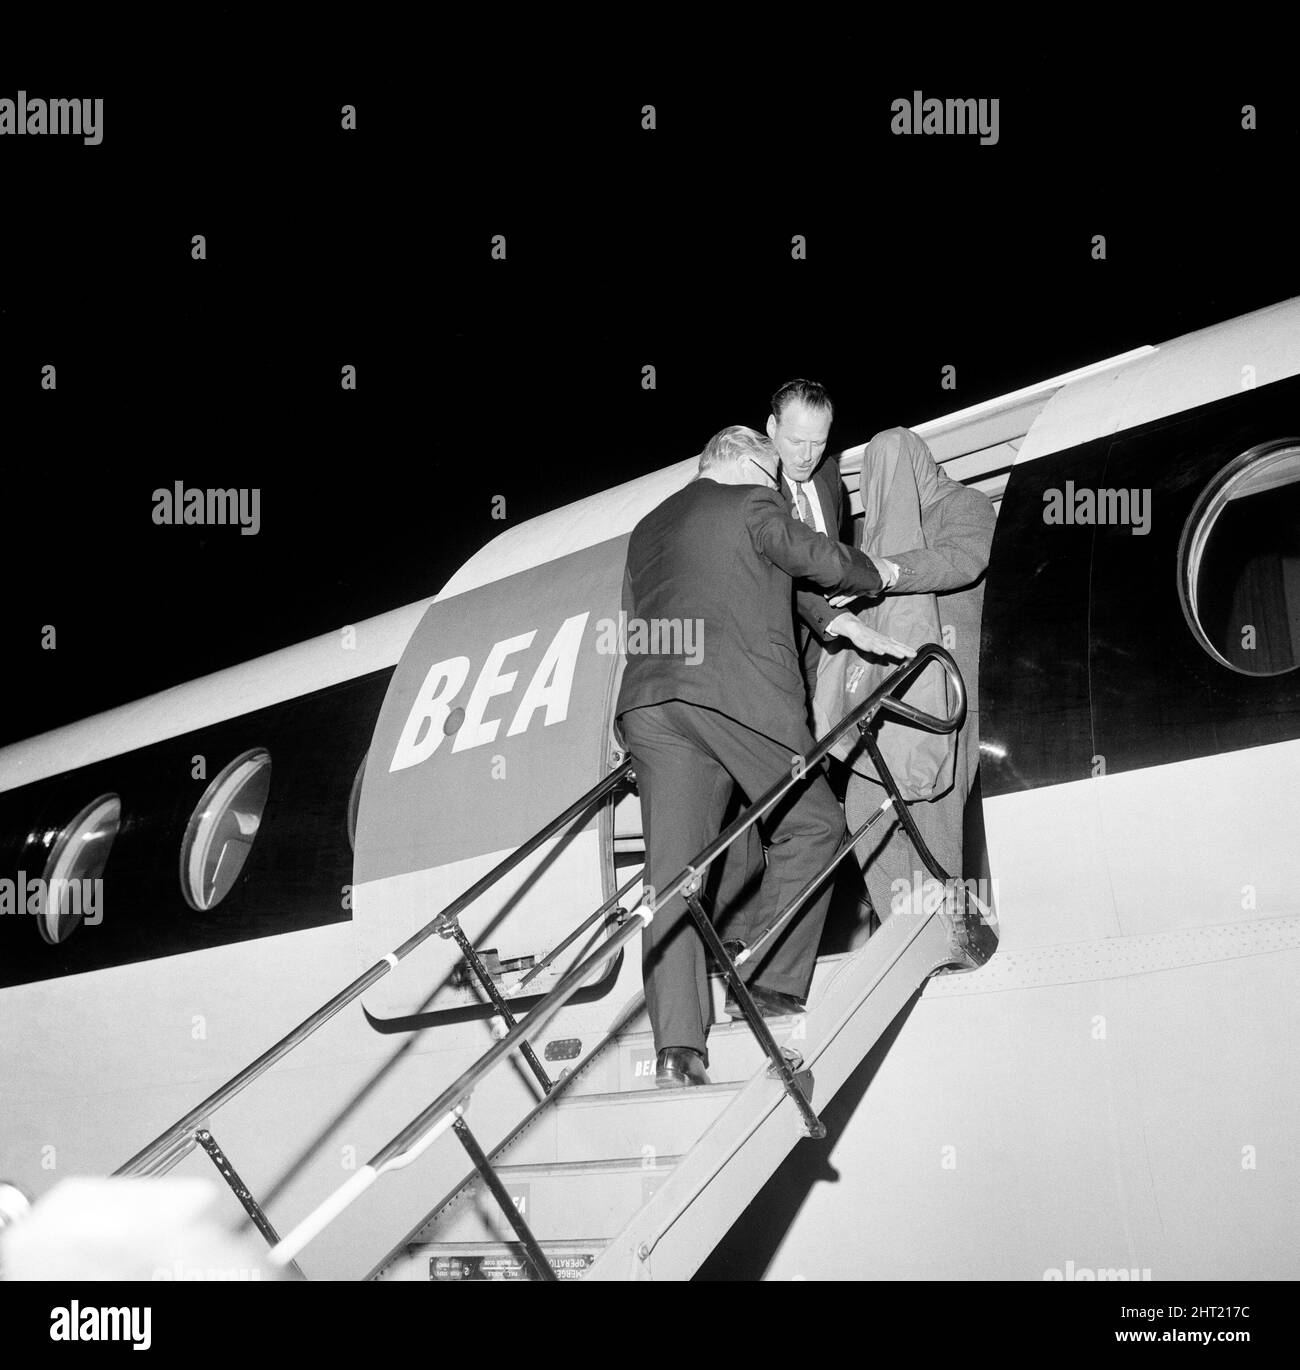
171, 1145
471, 955
493, 1181
813, 1125
241, 1191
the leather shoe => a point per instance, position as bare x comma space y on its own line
772, 1003
677, 1067
732, 948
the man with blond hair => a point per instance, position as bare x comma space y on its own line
724, 552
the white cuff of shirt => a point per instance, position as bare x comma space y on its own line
889, 571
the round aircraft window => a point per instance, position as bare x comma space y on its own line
1239, 562
354, 802
77, 859
223, 828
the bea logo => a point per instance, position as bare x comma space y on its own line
548, 691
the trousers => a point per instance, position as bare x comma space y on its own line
689, 760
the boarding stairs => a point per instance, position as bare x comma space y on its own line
609, 1177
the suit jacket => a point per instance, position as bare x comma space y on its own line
958, 530
810, 603
725, 556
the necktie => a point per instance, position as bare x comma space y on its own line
801, 509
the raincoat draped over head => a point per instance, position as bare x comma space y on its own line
899, 481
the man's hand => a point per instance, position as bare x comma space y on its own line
889, 571
867, 639
888, 579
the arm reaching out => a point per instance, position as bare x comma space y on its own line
868, 639
960, 549
805, 554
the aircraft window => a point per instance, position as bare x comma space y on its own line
1239, 563
223, 828
79, 854
354, 802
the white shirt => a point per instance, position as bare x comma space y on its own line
889, 571
810, 494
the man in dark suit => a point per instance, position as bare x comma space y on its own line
799, 425
720, 556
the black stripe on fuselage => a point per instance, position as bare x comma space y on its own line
1086, 651
295, 875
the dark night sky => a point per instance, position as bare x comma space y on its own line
479, 378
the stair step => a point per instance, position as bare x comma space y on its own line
618, 1126
564, 1202
628, 1065
585, 1164
622, 1074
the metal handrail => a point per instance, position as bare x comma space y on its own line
419, 1134
861, 716
563, 946
177, 1141
894, 798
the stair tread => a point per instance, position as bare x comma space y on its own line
580, 1172
503, 1247
722, 1028
639, 1097
557, 1168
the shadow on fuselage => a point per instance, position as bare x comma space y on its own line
754, 1239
